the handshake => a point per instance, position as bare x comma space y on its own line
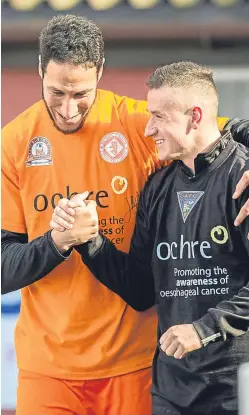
74, 222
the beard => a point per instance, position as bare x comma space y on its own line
73, 130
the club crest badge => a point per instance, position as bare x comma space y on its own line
39, 152
187, 200
113, 147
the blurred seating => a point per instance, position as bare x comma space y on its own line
143, 4
183, 4
225, 3
103, 4
61, 5
25, 5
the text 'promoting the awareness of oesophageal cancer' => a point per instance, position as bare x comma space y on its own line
198, 281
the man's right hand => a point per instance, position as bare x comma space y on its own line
74, 222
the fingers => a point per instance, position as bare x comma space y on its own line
58, 222
86, 220
179, 340
163, 337
168, 343
242, 185
165, 343
63, 216
64, 205
89, 211
170, 348
243, 213
173, 348
91, 204
179, 353
54, 225
63, 219
78, 200
58, 211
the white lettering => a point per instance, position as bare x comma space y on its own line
205, 244
175, 244
158, 251
184, 249
182, 244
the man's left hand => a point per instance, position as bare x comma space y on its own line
179, 340
244, 211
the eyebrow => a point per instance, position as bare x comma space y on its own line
78, 92
156, 112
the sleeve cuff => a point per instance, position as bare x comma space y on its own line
91, 248
207, 329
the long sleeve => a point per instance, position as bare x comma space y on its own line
25, 262
128, 275
229, 318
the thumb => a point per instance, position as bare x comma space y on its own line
91, 204
78, 200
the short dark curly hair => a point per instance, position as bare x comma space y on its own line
71, 39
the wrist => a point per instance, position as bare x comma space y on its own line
59, 242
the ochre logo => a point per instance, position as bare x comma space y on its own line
43, 202
219, 234
119, 184
191, 249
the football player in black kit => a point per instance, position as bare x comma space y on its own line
187, 257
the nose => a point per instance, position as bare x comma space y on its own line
69, 108
150, 130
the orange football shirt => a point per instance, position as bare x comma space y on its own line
70, 326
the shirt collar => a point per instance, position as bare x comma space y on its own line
205, 159
209, 160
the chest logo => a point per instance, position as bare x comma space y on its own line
219, 235
187, 201
39, 152
113, 147
119, 184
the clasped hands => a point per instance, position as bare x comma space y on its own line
74, 222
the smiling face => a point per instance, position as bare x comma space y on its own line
172, 124
69, 93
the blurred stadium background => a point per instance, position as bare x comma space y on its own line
139, 35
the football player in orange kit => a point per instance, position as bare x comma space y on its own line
80, 348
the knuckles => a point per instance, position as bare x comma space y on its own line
62, 203
246, 176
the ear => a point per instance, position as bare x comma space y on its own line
101, 70
40, 67
196, 117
